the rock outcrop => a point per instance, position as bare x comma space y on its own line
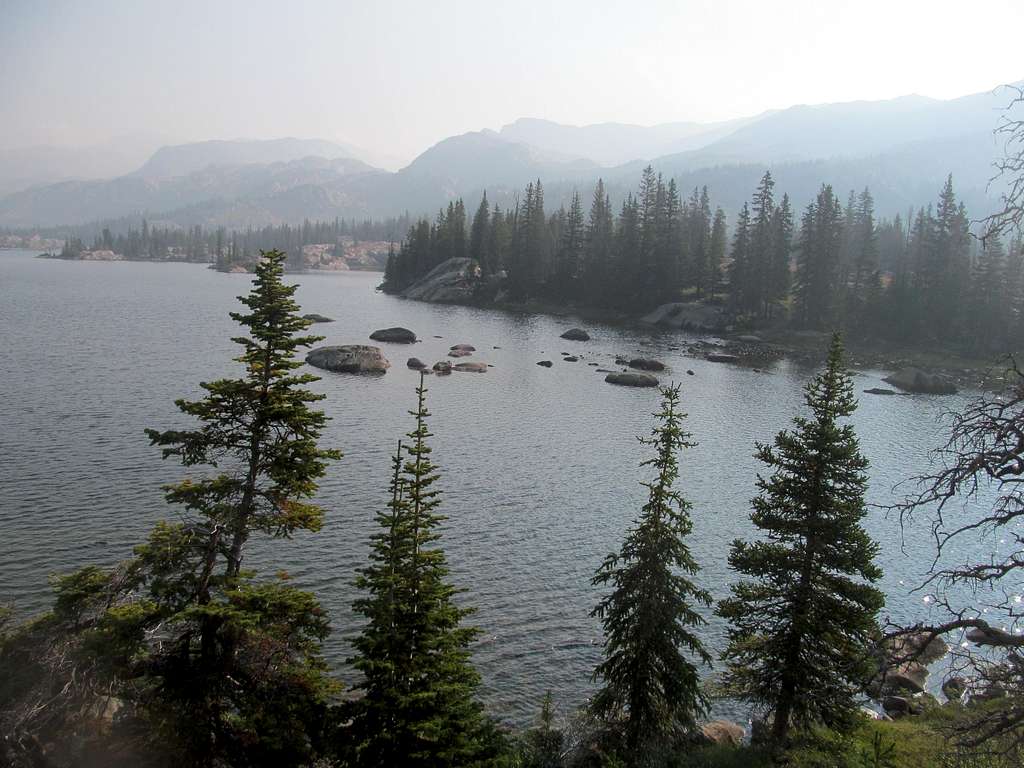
723, 732
451, 281
916, 380
394, 335
687, 316
630, 379
349, 358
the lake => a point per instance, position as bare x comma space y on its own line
540, 474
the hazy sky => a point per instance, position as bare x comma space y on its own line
396, 77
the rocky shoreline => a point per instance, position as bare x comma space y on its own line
933, 371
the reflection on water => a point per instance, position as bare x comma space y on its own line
540, 465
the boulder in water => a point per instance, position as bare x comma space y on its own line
313, 317
349, 358
646, 364
721, 357
415, 363
394, 335
442, 367
459, 353
576, 334
470, 367
631, 379
545, 363
462, 348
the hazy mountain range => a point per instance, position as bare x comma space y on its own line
902, 148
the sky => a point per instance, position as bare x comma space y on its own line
396, 77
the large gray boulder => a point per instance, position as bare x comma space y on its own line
451, 281
394, 335
349, 358
646, 364
630, 379
576, 334
916, 380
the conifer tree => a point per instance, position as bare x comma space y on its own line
716, 252
650, 615
599, 253
418, 706
803, 616
479, 235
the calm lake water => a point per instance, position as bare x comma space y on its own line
540, 465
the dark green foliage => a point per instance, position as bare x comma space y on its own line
417, 706
208, 666
802, 618
541, 746
648, 682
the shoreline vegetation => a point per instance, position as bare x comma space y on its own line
180, 655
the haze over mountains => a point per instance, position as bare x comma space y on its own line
902, 148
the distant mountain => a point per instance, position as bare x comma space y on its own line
76, 202
26, 167
901, 148
611, 144
184, 159
850, 129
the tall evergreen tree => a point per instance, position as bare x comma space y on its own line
650, 615
599, 255
804, 615
418, 706
716, 252
479, 235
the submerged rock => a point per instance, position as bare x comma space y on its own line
470, 367
880, 391
463, 348
570, 359
394, 335
545, 363
416, 363
313, 317
442, 367
349, 358
576, 334
631, 379
916, 380
459, 353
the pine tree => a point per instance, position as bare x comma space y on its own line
716, 253
215, 667
418, 706
479, 235
802, 620
649, 616
569, 261
740, 266
599, 253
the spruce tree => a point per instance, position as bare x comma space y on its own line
649, 616
803, 616
418, 706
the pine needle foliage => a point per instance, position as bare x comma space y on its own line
260, 426
649, 685
802, 619
418, 704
